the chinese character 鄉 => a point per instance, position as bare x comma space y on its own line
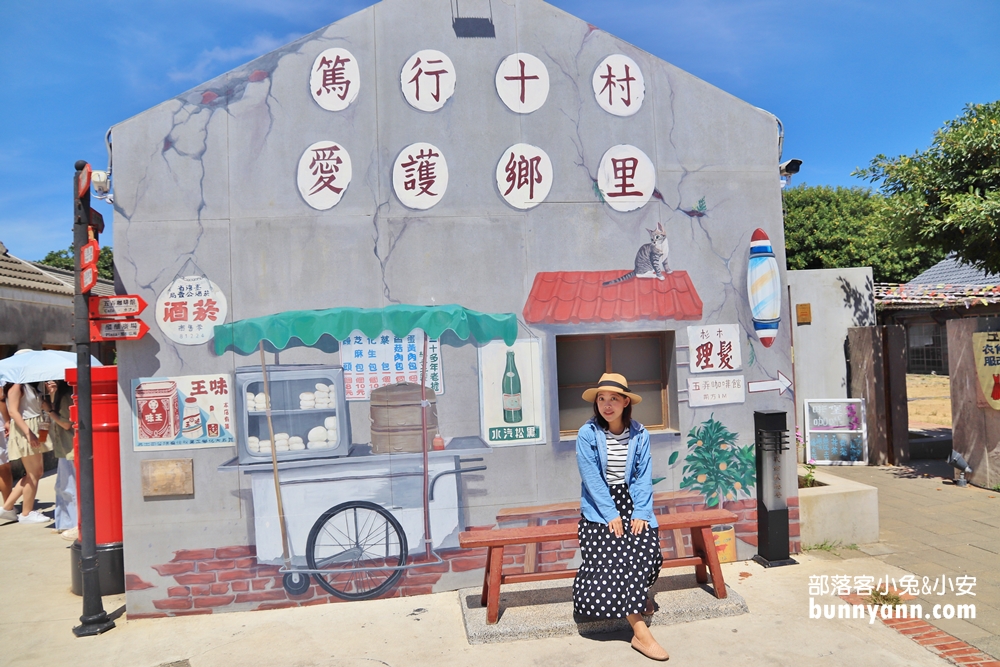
522, 171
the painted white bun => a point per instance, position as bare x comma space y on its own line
317, 433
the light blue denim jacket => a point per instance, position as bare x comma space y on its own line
592, 458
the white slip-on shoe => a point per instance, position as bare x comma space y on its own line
34, 516
8, 515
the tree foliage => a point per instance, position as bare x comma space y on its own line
835, 228
63, 259
948, 196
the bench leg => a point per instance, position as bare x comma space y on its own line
698, 549
707, 542
486, 578
493, 598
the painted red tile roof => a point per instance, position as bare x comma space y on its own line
571, 297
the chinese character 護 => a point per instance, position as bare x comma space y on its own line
420, 176
419, 172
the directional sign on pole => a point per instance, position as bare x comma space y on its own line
123, 305
118, 329
88, 278
781, 385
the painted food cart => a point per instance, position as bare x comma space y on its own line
351, 516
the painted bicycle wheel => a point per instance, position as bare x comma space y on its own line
359, 547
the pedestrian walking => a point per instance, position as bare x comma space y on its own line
27, 441
619, 542
6, 478
59, 398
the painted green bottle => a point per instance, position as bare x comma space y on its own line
511, 392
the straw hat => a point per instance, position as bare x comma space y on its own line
612, 382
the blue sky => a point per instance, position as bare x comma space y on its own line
849, 79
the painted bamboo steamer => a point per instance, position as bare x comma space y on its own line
395, 418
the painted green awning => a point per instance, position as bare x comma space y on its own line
308, 326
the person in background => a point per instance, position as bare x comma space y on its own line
59, 398
6, 479
24, 405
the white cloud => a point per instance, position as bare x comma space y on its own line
208, 62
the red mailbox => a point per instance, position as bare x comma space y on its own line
107, 478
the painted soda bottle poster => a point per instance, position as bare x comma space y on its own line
512, 413
511, 395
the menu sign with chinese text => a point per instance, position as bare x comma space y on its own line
714, 348
189, 308
511, 392
370, 363
189, 412
986, 350
836, 433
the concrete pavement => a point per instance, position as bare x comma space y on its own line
39, 613
932, 528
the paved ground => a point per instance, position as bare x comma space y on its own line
39, 612
932, 528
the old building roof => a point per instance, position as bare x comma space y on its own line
952, 271
16, 272
103, 287
571, 297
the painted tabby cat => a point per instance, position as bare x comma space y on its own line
649, 258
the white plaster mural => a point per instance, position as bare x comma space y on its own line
428, 80
188, 309
324, 173
524, 176
522, 82
626, 178
420, 176
618, 85
335, 79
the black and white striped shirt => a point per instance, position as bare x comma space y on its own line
617, 454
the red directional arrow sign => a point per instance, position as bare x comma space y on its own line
123, 305
781, 385
117, 329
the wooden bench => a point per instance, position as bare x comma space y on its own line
705, 558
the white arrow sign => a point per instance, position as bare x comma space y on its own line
782, 384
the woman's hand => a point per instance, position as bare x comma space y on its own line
33, 440
638, 525
615, 526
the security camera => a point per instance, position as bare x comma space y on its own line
100, 181
789, 167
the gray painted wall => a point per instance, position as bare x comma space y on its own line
207, 181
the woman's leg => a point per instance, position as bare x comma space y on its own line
643, 640
65, 495
32, 473
6, 481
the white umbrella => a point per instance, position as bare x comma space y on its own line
38, 365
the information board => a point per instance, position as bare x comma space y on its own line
835, 432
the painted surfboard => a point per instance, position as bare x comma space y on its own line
764, 288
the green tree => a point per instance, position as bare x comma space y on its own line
63, 259
948, 196
834, 228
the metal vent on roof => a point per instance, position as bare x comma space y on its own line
470, 26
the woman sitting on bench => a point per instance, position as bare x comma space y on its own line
618, 535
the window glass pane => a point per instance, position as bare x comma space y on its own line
579, 360
650, 411
573, 410
638, 359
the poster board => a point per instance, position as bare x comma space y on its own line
836, 431
508, 418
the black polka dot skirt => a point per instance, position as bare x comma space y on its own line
616, 571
